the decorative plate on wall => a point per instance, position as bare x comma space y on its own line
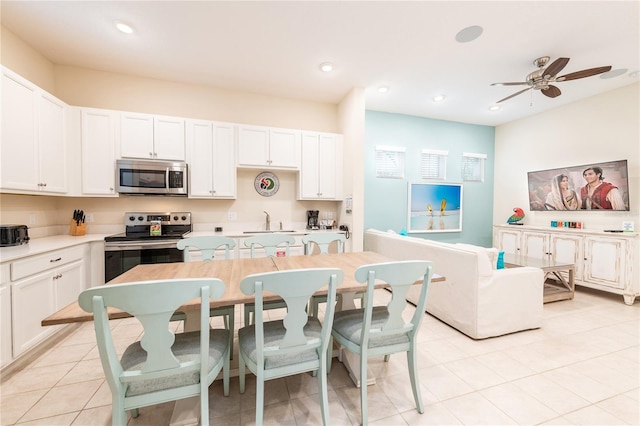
266, 184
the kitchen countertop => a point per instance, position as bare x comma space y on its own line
45, 244
57, 242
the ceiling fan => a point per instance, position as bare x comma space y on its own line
542, 77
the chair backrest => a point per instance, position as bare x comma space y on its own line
269, 242
152, 303
400, 276
207, 246
295, 287
323, 240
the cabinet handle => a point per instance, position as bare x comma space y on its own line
55, 260
111, 189
44, 184
151, 154
57, 277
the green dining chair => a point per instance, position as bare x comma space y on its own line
207, 246
381, 330
270, 243
162, 366
322, 240
294, 345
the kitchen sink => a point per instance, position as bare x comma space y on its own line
267, 232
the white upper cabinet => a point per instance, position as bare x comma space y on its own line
99, 151
33, 137
152, 137
211, 158
266, 147
321, 166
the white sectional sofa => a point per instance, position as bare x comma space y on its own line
476, 298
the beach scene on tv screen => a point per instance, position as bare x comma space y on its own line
435, 207
597, 186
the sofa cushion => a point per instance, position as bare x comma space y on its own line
487, 257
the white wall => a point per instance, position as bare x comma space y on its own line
598, 129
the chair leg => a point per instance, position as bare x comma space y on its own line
259, 397
322, 388
134, 413
204, 402
225, 371
413, 375
231, 325
247, 316
363, 386
241, 372
118, 415
386, 358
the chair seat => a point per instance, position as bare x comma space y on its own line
274, 332
185, 348
349, 325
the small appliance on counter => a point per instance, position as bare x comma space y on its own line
312, 219
13, 235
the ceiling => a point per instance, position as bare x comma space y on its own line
275, 48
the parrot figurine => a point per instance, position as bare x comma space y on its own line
517, 216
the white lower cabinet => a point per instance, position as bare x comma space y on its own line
601, 260
41, 285
5, 316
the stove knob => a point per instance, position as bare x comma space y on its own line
132, 218
140, 218
184, 218
175, 218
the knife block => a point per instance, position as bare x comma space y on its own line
77, 230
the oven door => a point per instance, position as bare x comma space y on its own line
120, 258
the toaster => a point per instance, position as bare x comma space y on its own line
13, 235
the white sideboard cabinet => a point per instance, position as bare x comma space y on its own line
603, 260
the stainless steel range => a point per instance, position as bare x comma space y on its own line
148, 238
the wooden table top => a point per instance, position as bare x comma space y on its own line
231, 272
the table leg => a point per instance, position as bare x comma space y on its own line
350, 360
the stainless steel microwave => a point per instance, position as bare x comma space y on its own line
143, 177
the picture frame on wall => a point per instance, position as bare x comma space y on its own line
434, 207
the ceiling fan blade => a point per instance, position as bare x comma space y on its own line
551, 91
515, 94
584, 73
519, 83
555, 67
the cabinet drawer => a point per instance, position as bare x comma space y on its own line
39, 263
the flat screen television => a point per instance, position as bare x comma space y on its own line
596, 186
435, 207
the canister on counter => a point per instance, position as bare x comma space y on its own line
155, 228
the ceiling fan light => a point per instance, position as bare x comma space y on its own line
614, 73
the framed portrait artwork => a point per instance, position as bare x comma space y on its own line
434, 207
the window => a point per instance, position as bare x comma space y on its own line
433, 164
473, 167
390, 162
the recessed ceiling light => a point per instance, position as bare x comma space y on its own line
326, 67
124, 28
383, 89
469, 34
494, 108
438, 98
614, 73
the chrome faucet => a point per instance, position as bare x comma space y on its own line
268, 222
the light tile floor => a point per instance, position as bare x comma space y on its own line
581, 367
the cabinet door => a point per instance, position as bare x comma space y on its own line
224, 164
19, 146
98, 152
508, 241
253, 146
567, 249
5, 324
69, 281
605, 261
136, 135
309, 166
200, 143
284, 148
535, 244
168, 138
32, 300
327, 166
51, 144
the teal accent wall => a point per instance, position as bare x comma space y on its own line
385, 200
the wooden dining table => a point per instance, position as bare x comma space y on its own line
231, 272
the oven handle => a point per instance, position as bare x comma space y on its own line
139, 246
